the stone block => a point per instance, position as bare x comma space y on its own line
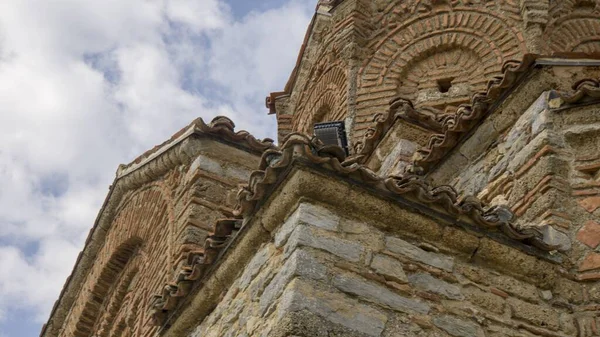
475, 145
254, 266
431, 284
352, 226
538, 315
568, 291
389, 267
593, 290
589, 235
486, 300
456, 326
413, 252
303, 236
217, 168
309, 214
502, 256
403, 148
300, 263
336, 308
505, 284
460, 240
317, 216
556, 238
378, 294
516, 287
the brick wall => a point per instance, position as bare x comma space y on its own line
154, 227
361, 54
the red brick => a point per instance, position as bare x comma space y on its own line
589, 235
590, 204
588, 277
592, 261
498, 292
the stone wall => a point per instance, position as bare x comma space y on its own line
331, 274
538, 155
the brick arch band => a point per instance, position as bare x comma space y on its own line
483, 37
330, 91
133, 250
575, 34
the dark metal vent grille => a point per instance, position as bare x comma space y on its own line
332, 133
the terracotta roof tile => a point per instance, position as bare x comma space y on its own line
298, 147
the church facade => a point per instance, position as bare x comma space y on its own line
467, 201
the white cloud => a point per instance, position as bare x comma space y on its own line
85, 85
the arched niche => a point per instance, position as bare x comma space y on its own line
135, 251
330, 91
574, 26
461, 47
105, 287
441, 78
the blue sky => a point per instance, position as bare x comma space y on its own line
86, 85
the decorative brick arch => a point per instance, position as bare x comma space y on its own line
457, 64
104, 285
482, 36
330, 90
574, 26
563, 8
116, 308
136, 247
575, 34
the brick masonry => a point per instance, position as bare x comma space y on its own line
307, 264
361, 54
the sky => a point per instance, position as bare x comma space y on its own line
87, 84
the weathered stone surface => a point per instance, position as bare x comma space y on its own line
399, 246
300, 263
254, 267
487, 300
378, 294
556, 238
516, 287
569, 291
456, 327
401, 325
336, 308
460, 240
317, 216
389, 267
211, 165
429, 283
506, 284
538, 315
309, 214
303, 236
353, 226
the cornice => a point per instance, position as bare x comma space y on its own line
180, 149
300, 147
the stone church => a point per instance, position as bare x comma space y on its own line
436, 173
